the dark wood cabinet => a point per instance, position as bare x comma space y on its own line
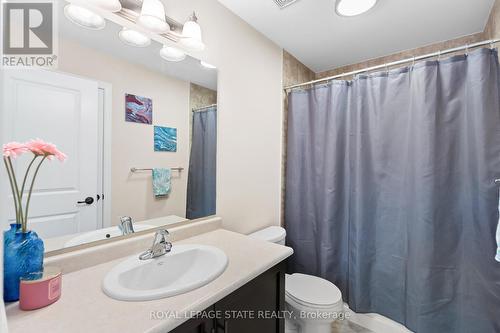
197, 325
255, 307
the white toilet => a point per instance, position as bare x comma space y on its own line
315, 302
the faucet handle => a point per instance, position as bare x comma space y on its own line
160, 241
161, 246
126, 225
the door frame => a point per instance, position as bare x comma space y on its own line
105, 140
106, 153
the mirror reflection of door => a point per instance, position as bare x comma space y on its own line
63, 109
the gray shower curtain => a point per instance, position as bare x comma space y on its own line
201, 189
390, 193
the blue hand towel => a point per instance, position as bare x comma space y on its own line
161, 182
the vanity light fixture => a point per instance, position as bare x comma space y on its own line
191, 34
153, 17
354, 7
109, 5
172, 54
134, 38
152, 21
207, 65
84, 17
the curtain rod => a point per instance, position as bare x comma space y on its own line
203, 108
399, 62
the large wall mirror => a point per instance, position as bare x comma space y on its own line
139, 131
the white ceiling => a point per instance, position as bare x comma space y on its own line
107, 41
312, 31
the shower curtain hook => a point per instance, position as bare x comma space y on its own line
492, 46
386, 69
439, 55
467, 49
413, 62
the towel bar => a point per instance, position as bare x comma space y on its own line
150, 169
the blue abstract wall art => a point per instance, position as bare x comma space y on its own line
165, 139
138, 109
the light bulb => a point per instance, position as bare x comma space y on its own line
354, 7
134, 38
153, 17
172, 54
191, 34
84, 17
109, 5
207, 65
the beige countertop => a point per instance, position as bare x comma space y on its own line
83, 306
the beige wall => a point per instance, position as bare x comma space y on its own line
132, 194
249, 114
249, 119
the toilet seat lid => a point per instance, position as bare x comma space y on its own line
272, 234
308, 289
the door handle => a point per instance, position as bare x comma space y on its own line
87, 201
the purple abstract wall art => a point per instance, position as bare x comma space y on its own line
138, 109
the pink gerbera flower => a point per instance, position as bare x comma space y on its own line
14, 149
47, 149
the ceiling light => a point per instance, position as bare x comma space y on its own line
172, 54
84, 17
191, 34
207, 65
109, 5
134, 38
354, 7
153, 17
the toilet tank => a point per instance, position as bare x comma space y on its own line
272, 234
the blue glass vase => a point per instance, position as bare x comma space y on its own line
23, 256
8, 235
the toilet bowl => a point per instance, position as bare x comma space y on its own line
313, 302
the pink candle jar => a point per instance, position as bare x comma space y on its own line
40, 289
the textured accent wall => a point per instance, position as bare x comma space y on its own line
294, 71
403, 55
200, 96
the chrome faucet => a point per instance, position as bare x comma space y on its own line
126, 225
160, 246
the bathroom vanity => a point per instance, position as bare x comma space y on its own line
252, 281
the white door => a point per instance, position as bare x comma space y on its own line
61, 109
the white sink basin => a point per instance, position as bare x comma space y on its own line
101, 234
185, 268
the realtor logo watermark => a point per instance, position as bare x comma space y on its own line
29, 37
